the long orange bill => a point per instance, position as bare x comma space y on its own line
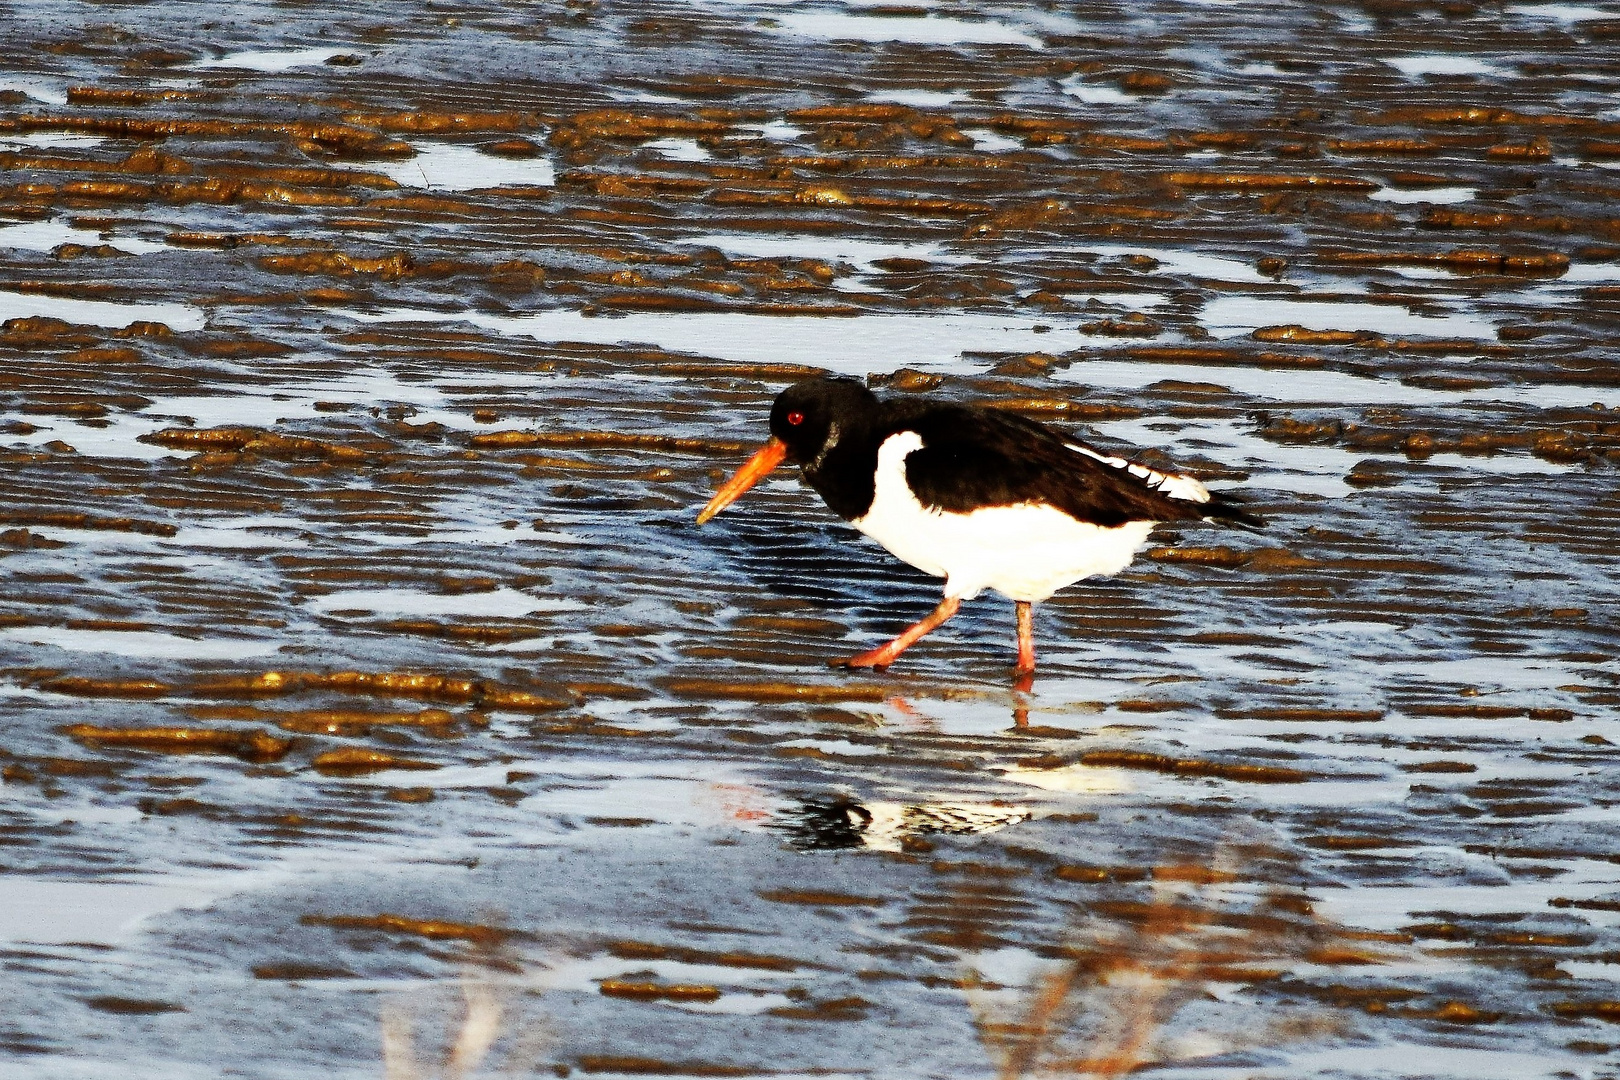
753, 471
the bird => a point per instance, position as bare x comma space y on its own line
979, 496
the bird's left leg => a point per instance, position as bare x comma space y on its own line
1026, 637
885, 655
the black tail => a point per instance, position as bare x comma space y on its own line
1228, 510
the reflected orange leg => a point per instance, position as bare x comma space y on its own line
1026, 638
884, 656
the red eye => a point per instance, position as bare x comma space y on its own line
795, 418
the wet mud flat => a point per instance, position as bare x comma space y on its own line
365, 685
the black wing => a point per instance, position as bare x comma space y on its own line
985, 457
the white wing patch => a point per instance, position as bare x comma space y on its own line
1174, 485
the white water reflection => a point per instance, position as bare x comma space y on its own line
263, 403
104, 313
454, 167
1590, 272
1414, 67
49, 139
992, 142
1229, 316
270, 61
678, 149
51, 233
585, 973
928, 30
850, 345
1425, 273
40, 911
1191, 263
498, 603
1075, 779
1390, 907
147, 644
1096, 93
1307, 385
1401, 1057
775, 130
709, 795
920, 99
1566, 13
1441, 195
257, 532
859, 252
45, 90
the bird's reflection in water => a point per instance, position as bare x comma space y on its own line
823, 824
1023, 685
911, 717
914, 719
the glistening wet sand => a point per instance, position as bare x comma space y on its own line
362, 373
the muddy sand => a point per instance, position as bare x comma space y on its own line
365, 684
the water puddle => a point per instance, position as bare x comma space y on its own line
1416, 67
1191, 263
992, 142
43, 90
453, 167
50, 234
920, 99
1443, 196
658, 795
45, 912
1074, 780
1096, 93
264, 403
1566, 13
271, 61
1229, 316
105, 313
51, 140
776, 130
260, 532
1583, 273
498, 603
678, 149
138, 643
926, 30
843, 344
859, 253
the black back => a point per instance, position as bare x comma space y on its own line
971, 457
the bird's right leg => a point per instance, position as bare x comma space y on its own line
1026, 637
885, 655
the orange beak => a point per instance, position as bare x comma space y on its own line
753, 471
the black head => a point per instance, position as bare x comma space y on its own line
811, 416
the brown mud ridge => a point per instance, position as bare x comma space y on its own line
361, 373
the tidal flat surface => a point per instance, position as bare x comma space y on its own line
370, 703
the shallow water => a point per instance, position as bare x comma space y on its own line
359, 657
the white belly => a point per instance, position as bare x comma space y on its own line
1025, 552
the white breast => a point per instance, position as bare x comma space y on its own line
1025, 552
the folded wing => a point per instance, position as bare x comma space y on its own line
984, 457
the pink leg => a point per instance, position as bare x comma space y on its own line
884, 656
1026, 637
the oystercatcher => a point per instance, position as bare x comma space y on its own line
983, 498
